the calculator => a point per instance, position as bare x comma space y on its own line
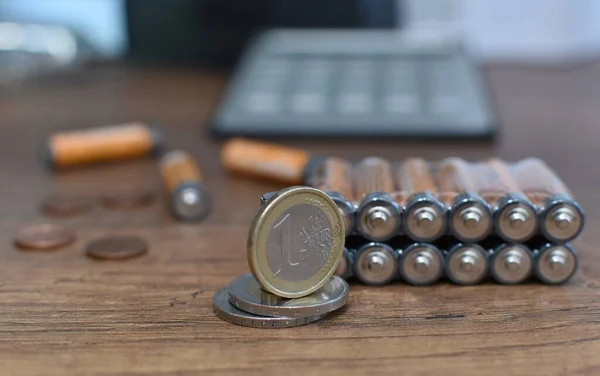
354, 84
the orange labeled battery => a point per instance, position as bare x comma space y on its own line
378, 216
177, 167
424, 218
373, 174
103, 144
333, 175
469, 218
189, 199
453, 177
561, 218
264, 160
493, 181
515, 217
537, 180
414, 176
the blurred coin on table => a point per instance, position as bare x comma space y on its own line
116, 247
246, 294
127, 199
295, 242
44, 237
224, 310
67, 206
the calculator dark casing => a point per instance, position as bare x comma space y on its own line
407, 82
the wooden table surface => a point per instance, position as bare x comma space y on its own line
63, 313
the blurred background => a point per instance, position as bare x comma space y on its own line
42, 36
212, 32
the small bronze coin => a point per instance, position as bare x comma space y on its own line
44, 237
132, 199
116, 247
66, 206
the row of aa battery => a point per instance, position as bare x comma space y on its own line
470, 201
377, 263
425, 201
421, 222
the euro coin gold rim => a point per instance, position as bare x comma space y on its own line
262, 225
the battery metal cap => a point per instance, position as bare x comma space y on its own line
344, 267
470, 218
347, 210
424, 218
378, 217
467, 264
516, 219
511, 263
375, 264
562, 219
555, 264
191, 201
421, 264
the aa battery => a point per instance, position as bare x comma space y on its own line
266, 197
515, 217
101, 144
555, 263
265, 161
469, 216
378, 215
181, 175
424, 217
421, 264
375, 264
466, 264
561, 218
345, 265
334, 177
511, 264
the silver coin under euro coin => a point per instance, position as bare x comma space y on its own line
225, 311
246, 294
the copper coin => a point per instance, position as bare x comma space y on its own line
128, 199
66, 206
117, 247
44, 236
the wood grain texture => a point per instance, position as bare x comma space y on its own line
63, 313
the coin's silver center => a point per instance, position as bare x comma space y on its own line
299, 243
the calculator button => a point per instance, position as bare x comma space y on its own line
400, 104
308, 103
262, 103
354, 103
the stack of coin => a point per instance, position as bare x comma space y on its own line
294, 246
